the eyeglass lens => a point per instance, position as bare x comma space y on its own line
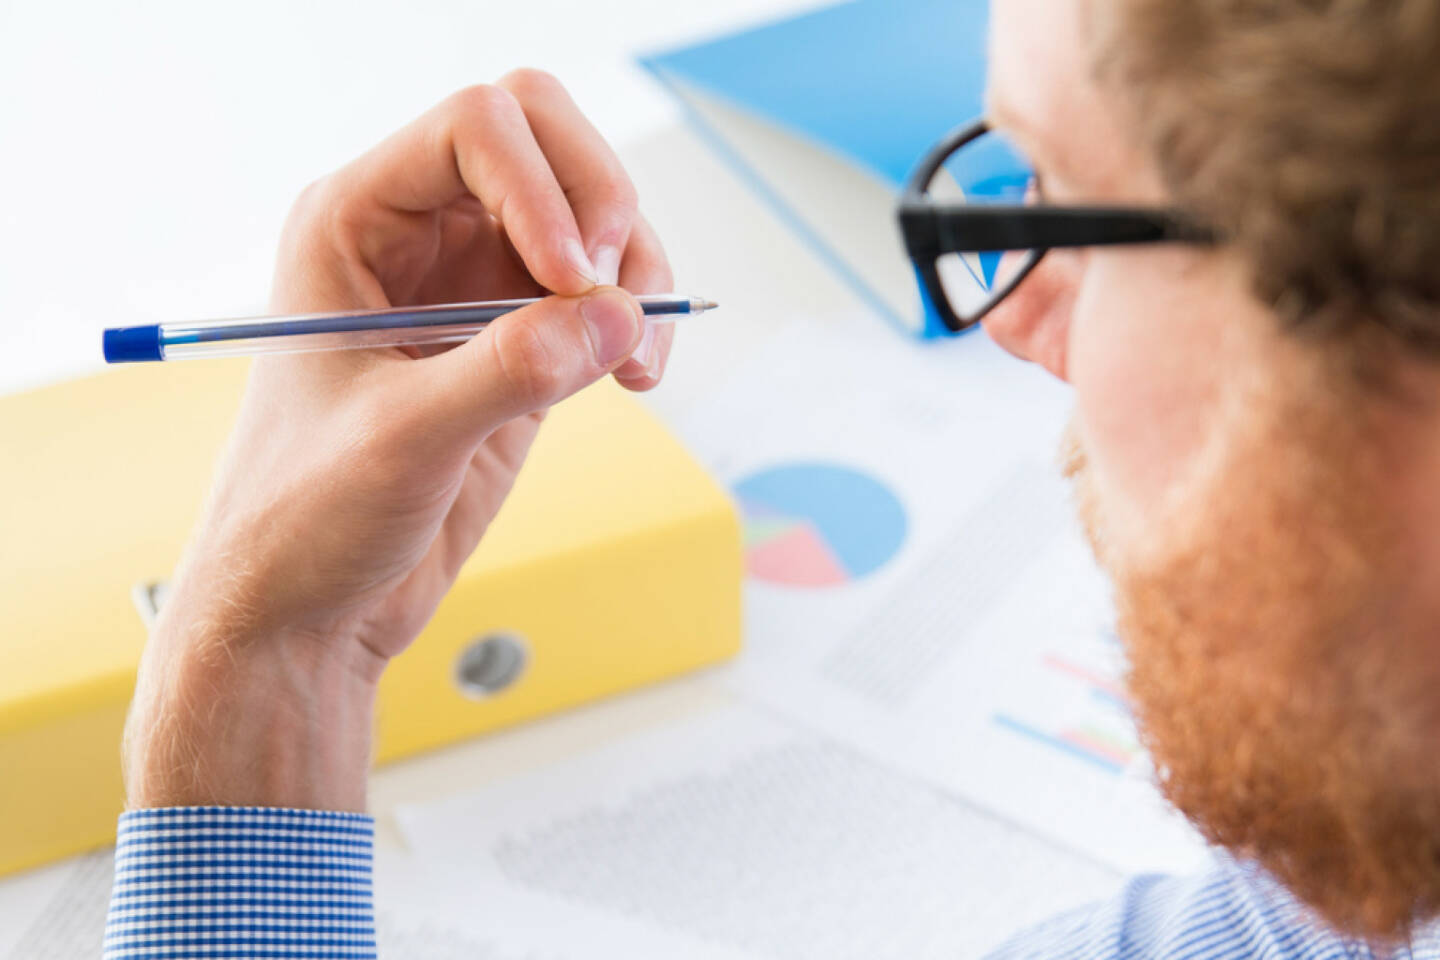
986, 170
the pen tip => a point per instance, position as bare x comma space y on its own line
709, 305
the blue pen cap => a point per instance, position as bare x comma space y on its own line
133, 344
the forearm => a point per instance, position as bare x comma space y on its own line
246, 756
224, 717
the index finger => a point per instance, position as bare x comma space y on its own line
478, 142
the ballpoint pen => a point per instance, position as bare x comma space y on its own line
399, 326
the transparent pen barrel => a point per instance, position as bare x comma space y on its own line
309, 342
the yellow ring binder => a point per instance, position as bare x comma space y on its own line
645, 553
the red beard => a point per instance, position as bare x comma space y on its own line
1291, 714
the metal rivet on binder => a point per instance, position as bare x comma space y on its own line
490, 664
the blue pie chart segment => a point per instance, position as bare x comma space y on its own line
818, 524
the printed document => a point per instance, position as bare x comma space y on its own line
917, 585
735, 834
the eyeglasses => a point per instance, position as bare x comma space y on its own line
975, 225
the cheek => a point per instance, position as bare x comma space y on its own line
1143, 361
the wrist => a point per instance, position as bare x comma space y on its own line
227, 716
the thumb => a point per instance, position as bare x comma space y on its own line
527, 361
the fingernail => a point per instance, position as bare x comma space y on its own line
611, 320
579, 262
647, 354
607, 265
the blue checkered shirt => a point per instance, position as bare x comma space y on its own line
217, 882
241, 882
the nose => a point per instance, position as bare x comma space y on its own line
1033, 322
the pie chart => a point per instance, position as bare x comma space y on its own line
818, 524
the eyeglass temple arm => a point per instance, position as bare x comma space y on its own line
932, 229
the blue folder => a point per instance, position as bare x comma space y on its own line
876, 81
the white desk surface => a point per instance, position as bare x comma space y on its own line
151, 155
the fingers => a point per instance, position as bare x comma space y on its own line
595, 182
646, 270
524, 149
524, 362
479, 142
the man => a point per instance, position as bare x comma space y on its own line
1255, 447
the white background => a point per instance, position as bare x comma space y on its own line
150, 150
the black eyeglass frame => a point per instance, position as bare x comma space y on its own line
932, 230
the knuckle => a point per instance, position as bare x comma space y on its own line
619, 194
311, 224
311, 194
611, 200
608, 183
482, 101
310, 204
529, 82
526, 364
